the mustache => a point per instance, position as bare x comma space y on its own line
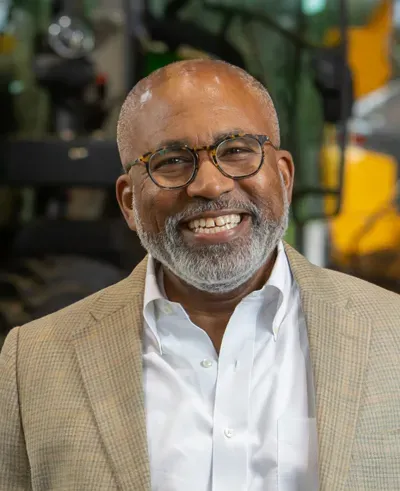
200, 206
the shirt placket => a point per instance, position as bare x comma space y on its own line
232, 400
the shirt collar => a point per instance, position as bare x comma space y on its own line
152, 290
280, 278
154, 293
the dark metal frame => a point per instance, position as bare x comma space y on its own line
55, 163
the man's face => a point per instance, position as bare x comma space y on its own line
216, 233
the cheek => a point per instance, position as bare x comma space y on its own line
155, 205
265, 190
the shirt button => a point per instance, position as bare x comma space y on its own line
206, 363
228, 432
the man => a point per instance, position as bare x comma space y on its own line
225, 361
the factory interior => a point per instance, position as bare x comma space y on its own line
331, 66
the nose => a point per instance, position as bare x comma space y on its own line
209, 183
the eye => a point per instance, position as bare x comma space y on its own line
171, 162
167, 162
234, 152
238, 150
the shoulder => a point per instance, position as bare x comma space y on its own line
379, 307
365, 295
344, 290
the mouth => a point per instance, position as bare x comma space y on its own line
216, 227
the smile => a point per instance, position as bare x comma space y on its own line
214, 225
211, 228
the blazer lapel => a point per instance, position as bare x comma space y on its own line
339, 351
110, 358
339, 344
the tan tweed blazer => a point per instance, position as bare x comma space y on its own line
71, 399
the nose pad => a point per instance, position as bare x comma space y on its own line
209, 183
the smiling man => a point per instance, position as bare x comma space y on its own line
226, 361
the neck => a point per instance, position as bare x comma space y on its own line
197, 302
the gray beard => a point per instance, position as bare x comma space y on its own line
216, 268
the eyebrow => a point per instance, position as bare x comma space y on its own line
185, 141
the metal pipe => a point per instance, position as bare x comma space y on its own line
342, 133
134, 30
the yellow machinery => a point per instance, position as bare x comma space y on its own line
365, 236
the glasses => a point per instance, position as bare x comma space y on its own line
237, 156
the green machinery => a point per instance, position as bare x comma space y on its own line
55, 104
281, 43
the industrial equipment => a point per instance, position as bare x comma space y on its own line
55, 100
62, 237
364, 239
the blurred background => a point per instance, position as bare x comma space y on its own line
332, 67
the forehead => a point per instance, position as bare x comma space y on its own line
197, 109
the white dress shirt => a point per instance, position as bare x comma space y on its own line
240, 421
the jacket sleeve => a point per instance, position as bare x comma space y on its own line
14, 463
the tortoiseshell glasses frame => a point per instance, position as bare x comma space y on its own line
146, 158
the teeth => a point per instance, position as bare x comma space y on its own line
214, 230
217, 223
210, 222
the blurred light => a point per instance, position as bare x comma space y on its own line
76, 39
54, 30
396, 13
70, 37
16, 87
312, 7
5, 6
64, 21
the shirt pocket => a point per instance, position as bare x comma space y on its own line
297, 454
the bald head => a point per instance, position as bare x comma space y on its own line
180, 77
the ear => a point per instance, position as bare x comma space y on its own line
123, 189
286, 167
